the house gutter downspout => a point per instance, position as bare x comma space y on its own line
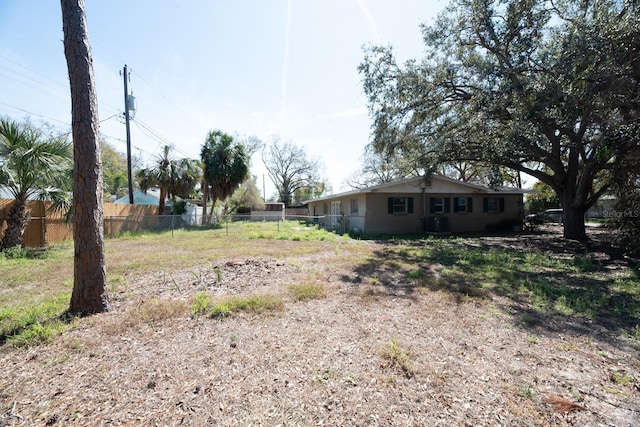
424, 210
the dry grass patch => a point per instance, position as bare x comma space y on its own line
150, 312
306, 292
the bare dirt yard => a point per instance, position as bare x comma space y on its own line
373, 350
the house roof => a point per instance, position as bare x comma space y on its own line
152, 197
6, 194
416, 184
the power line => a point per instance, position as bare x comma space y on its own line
35, 114
42, 80
109, 118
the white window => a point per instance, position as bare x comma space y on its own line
354, 206
335, 213
494, 204
399, 205
438, 205
462, 204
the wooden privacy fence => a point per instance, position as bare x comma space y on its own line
46, 227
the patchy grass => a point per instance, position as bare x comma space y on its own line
36, 284
576, 286
23, 325
573, 286
256, 304
305, 292
429, 317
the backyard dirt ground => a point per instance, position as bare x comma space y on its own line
374, 351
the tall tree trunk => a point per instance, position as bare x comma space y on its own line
17, 220
574, 227
89, 274
573, 198
205, 196
211, 211
163, 195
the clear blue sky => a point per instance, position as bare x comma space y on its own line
251, 67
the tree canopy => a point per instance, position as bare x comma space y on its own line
225, 165
174, 177
114, 170
32, 165
546, 88
293, 172
247, 197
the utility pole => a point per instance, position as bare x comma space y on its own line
126, 121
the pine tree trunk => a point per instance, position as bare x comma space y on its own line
89, 293
17, 220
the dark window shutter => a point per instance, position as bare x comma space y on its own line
432, 204
410, 207
390, 205
469, 204
501, 204
447, 209
485, 204
456, 208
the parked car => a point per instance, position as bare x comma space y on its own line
548, 216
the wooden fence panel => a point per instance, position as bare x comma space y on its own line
46, 227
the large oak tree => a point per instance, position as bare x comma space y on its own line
546, 88
89, 293
295, 174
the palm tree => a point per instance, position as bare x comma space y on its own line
31, 165
174, 177
225, 168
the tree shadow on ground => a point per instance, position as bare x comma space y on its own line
547, 283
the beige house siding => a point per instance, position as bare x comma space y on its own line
374, 210
478, 220
380, 221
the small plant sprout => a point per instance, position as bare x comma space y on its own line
398, 358
218, 273
197, 275
623, 378
175, 285
526, 391
201, 303
414, 274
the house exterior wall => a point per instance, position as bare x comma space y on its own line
478, 220
350, 215
507, 212
416, 205
380, 221
373, 214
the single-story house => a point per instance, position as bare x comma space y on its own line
151, 198
417, 205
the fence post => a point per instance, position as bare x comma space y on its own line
43, 228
